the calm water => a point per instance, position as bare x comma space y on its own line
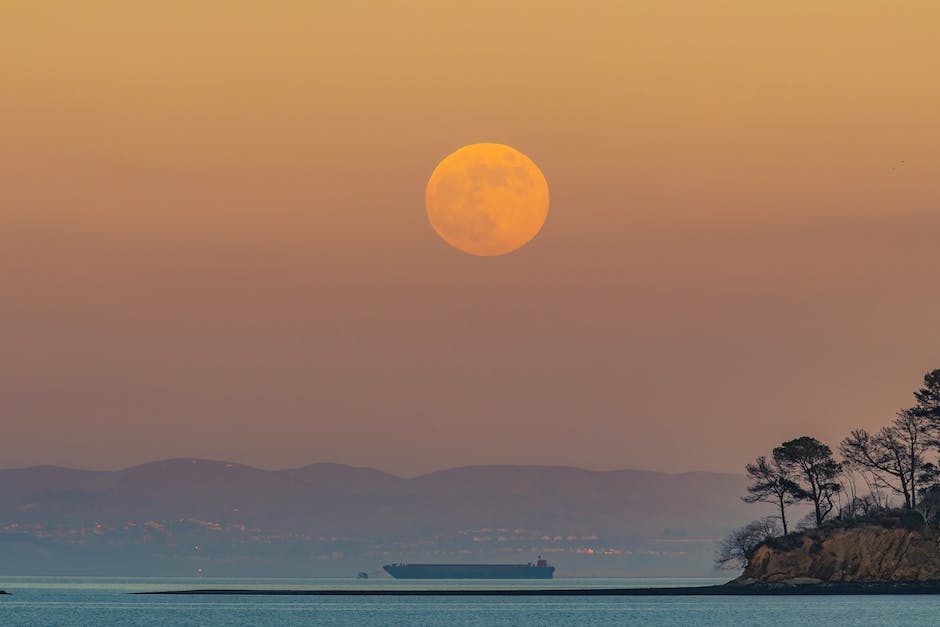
95, 601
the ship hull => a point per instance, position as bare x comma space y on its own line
469, 571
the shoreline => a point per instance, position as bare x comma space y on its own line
759, 589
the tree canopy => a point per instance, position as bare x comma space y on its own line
815, 471
928, 399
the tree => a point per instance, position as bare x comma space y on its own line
928, 404
895, 454
735, 550
814, 471
771, 483
929, 504
928, 397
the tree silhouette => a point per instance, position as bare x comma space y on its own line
771, 483
814, 471
895, 454
736, 549
928, 401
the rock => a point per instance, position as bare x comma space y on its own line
860, 553
801, 581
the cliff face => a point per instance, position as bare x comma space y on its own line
856, 554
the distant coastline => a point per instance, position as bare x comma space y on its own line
319, 521
728, 589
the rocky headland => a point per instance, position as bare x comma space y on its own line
889, 549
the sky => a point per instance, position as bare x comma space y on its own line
213, 239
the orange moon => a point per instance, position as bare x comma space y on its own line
487, 199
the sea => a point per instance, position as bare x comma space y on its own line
111, 601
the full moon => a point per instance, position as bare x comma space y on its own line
487, 199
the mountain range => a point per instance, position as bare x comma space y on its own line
180, 516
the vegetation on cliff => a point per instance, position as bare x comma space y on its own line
874, 512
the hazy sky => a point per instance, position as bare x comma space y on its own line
213, 239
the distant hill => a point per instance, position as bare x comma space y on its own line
331, 519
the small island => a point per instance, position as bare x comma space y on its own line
874, 514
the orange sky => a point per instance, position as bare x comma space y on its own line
213, 239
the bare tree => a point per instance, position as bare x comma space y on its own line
771, 483
911, 430
851, 507
929, 505
735, 550
876, 492
895, 454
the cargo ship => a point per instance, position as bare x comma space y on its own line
539, 570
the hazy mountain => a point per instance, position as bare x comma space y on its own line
171, 516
